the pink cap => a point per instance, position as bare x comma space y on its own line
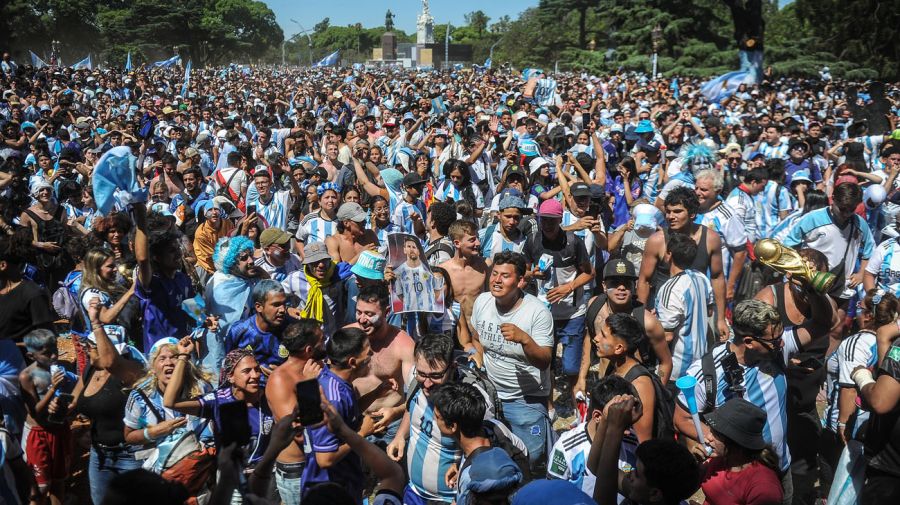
550, 208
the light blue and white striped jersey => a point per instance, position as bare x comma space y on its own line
428, 453
568, 459
781, 230
745, 208
400, 216
872, 147
447, 192
382, 234
650, 181
855, 351
683, 305
314, 228
817, 230
771, 201
276, 212
416, 286
730, 228
885, 266
777, 152
493, 241
765, 385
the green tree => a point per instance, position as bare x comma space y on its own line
477, 20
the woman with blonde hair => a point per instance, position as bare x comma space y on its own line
101, 279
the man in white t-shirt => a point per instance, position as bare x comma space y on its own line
515, 331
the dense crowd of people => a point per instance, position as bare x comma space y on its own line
216, 252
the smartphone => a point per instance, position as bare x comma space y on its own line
63, 400
309, 402
585, 120
234, 424
594, 210
251, 209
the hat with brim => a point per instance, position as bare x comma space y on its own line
351, 211
271, 236
801, 176
741, 422
369, 265
315, 252
509, 201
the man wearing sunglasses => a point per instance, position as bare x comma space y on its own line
752, 366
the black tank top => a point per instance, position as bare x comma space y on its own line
700, 264
105, 408
802, 386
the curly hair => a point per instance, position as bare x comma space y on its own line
227, 251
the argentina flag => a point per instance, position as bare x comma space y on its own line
330, 60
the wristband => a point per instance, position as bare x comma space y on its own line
862, 378
147, 436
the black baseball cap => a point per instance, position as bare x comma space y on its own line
619, 268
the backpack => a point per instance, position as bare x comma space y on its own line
226, 191
438, 246
663, 407
503, 438
468, 373
734, 379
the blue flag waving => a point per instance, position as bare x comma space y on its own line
128, 63
487, 63
85, 63
114, 180
725, 85
166, 63
331, 59
36, 61
187, 78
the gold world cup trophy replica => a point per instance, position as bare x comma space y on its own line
783, 259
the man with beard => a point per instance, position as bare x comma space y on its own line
261, 333
392, 361
276, 258
227, 293
192, 196
352, 236
304, 342
413, 282
315, 290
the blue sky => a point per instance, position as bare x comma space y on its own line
371, 13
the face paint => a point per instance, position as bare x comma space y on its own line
374, 320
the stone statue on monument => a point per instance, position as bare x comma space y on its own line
425, 26
389, 21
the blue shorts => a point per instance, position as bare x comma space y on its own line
384, 438
570, 332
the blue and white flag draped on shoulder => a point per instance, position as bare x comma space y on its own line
128, 66
84, 64
487, 63
187, 78
331, 59
725, 85
36, 61
114, 180
166, 63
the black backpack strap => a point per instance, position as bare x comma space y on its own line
710, 382
593, 311
160, 417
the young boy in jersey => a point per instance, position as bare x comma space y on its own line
684, 305
47, 443
409, 214
569, 457
459, 413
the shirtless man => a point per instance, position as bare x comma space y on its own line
468, 271
305, 344
381, 395
681, 207
352, 237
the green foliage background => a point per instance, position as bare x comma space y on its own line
855, 38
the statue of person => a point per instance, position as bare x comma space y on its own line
389, 21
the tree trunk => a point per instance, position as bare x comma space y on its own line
582, 27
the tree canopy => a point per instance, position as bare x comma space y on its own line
853, 37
